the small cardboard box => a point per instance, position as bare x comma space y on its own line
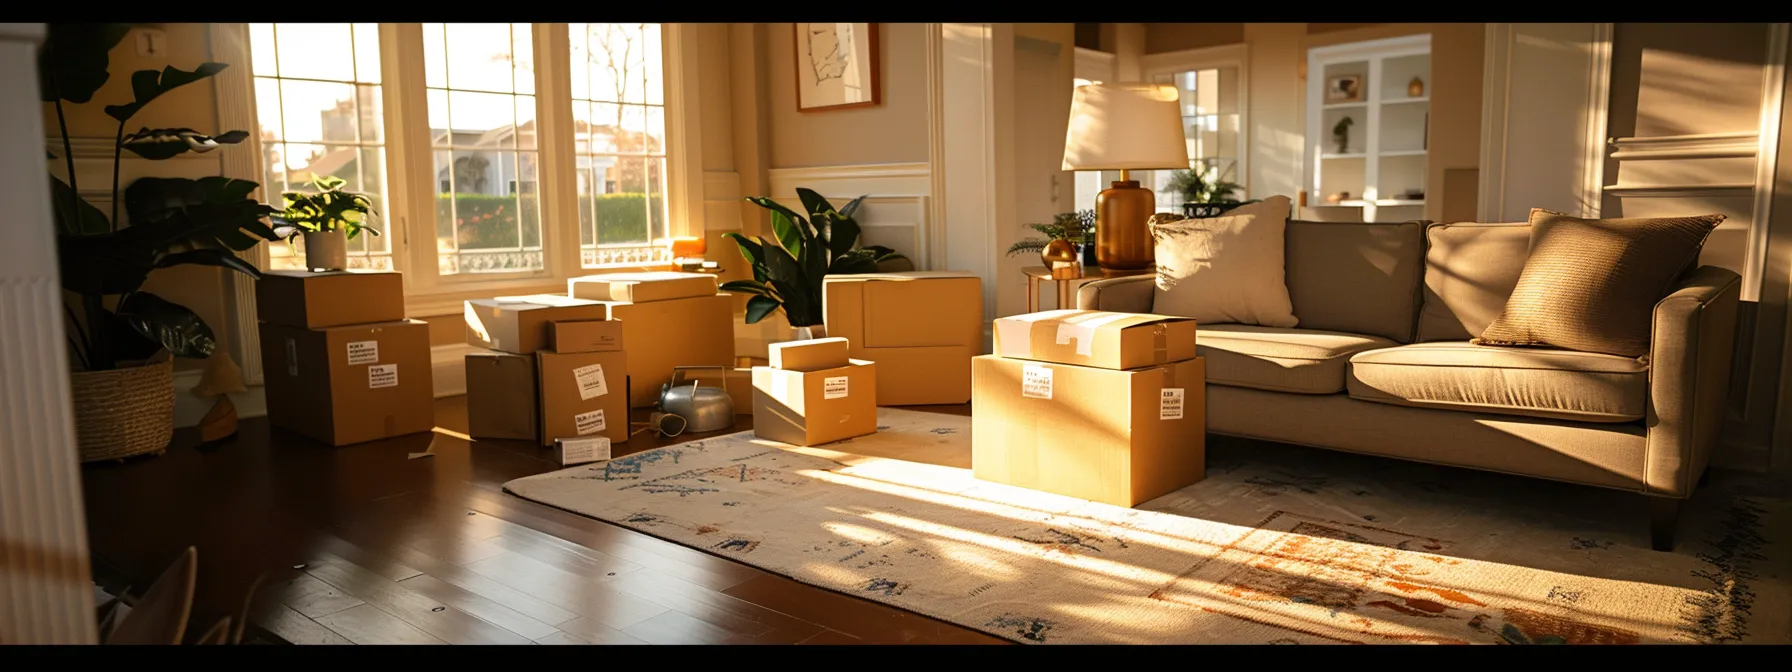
922, 376
739, 384
583, 394
896, 317
808, 408
641, 287
585, 336
349, 384
811, 355
660, 335
1116, 437
330, 299
501, 396
570, 452
519, 324
1096, 338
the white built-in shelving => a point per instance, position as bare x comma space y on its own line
1381, 165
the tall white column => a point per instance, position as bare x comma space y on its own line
46, 589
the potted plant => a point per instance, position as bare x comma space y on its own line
328, 219
1205, 191
122, 339
1067, 239
788, 270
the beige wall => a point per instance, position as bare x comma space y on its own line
893, 131
200, 288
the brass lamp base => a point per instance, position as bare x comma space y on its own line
1121, 240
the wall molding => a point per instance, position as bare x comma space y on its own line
896, 212
1767, 148
1496, 90
865, 171
1700, 146
236, 110
1582, 142
1680, 190
1599, 103
933, 62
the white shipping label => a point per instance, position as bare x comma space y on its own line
580, 451
1169, 404
591, 381
382, 375
363, 352
1036, 382
292, 358
589, 423
833, 388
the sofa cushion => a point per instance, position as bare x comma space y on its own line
1559, 384
1470, 270
1302, 361
1225, 269
1356, 277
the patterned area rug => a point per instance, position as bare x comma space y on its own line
1279, 544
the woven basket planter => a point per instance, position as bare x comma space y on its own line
124, 412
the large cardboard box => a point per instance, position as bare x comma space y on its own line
519, 324
1096, 338
349, 384
641, 287
1116, 437
501, 396
923, 325
583, 394
808, 408
659, 335
329, 299
813, 354
585, 336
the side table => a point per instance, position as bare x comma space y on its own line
1069, 278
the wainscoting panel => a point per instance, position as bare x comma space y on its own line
895, 214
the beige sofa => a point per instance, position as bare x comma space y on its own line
1381, 364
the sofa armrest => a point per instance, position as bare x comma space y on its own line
1689, 377
1131, 294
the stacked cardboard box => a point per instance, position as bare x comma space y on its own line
923, 327
555, 369
669, 320
1109, 407
341, 363
824, 396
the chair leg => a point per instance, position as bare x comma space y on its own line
1664, 517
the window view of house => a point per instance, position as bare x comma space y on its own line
619, 135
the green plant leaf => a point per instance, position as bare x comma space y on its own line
775, 206
125, 343
102, 264
204, 213
147, 85
856, 261
166, 143
852, 206
1026, 245
219, 258
746, 287
843, 234
815, 262
72, 63
787, 233
89, 220
759, 307
174, 326
753, 250
813, 202
786, 276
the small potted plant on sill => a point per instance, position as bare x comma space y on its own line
1068, 239
788, 269
327, 218
123, 339
1205, 191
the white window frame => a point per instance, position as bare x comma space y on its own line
408, 149
1210, 58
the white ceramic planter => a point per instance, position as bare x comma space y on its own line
326, 250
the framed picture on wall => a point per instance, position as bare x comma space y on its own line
836, 66
1344, 89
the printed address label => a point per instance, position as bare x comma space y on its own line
589, 423
1169, 404
576, 451
833, 388
591, 381
382, 375
363, 352
1036, 382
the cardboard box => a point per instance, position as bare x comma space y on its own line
808, 408
349, 384
331, 299
585, 336
1095, 338
811, 355
922, 376
570, 452
641, 287
1116, 437
739, 384
661, 335
894, 317
502, 396
519, 324
583, 394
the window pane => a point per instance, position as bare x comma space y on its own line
487, 217
651, 58
435, 56
620, 142
319, 112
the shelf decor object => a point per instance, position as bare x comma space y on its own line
1125, 127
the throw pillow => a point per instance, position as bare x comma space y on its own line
1225, 269
1592, 284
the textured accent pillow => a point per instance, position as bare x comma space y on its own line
1592, 284
1226, 269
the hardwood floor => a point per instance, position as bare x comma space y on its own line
365, 545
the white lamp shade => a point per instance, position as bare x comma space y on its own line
1125, 127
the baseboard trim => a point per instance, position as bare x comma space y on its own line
448, 368
190, 409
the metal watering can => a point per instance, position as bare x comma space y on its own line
705, 408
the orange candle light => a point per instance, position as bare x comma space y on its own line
685, 247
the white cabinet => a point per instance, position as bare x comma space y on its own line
1368, 117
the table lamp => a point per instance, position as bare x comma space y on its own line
1125, 127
